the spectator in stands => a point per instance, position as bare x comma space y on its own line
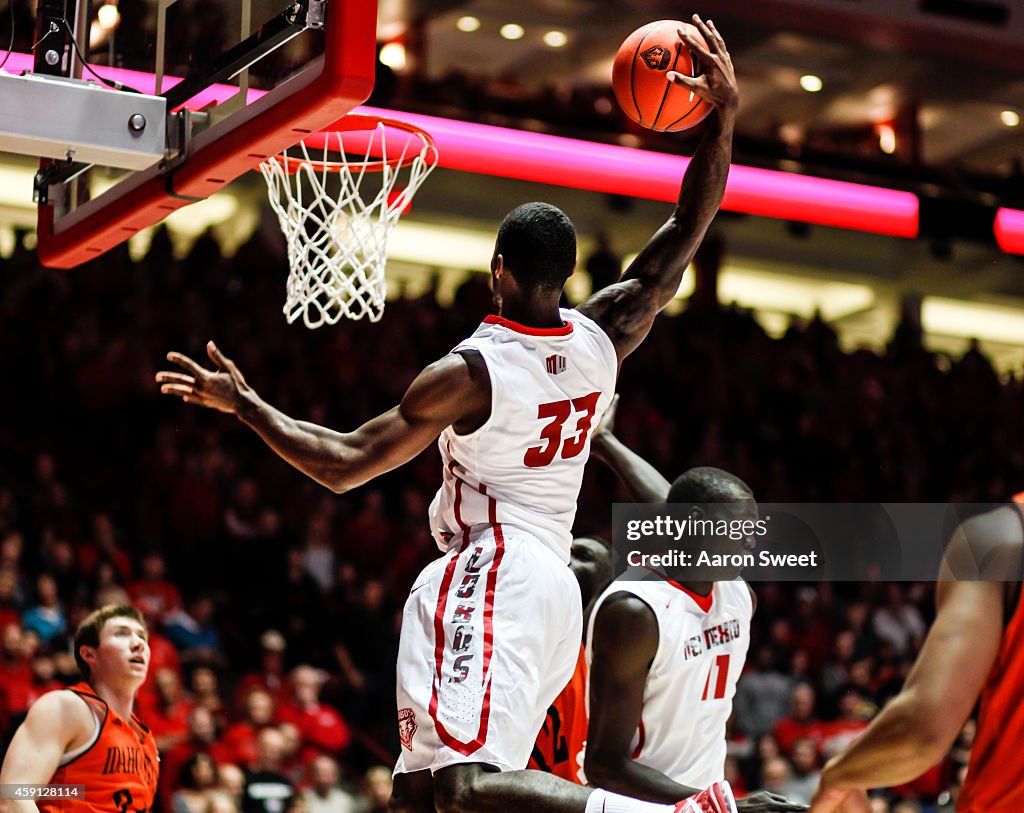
240, 741
10, 606
855, 711
803, 781
197, 778
322, 729
152, 593
762, 695
377, 789
167, 714
46, 617
324, 794
267, 789
193, 632
205, 690
271, 677
801, 722
775, 775
201, 739
899, 623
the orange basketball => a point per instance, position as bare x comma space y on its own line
638, 77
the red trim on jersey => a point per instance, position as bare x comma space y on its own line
704, 602
641, 736
457, 503
492, 505
466, 748
564, 330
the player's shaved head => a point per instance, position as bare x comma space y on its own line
706, 484
538, 244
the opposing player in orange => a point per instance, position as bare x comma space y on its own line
559, 746
87, 735
491, 630
974, 648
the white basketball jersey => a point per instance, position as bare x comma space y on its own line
524, 466
702, 645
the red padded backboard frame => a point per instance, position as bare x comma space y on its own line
218, 155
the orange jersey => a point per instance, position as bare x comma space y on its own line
119, 769
559, 746
993, 783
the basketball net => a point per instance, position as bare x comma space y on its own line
336, 222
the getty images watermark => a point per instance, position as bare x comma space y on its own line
792, 541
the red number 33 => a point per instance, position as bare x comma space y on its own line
557, 413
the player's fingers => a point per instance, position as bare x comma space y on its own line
167, 377
695, 84
717, 36
184, 361
695, 46
705, 32
223, 362
180, 390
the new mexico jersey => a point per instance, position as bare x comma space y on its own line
524, 466
702, 645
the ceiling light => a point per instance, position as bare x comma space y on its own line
1010, 118
886, 138
512, 31
467, 24
555, 39
393, 55
811, 83
972, 320
108, 16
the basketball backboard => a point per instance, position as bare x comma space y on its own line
222, 85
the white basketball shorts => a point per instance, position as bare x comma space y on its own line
490, 636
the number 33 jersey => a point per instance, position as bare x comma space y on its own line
702, 645
524, 466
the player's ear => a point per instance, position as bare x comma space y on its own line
88, 654
497, 265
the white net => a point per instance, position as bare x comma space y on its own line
337, 215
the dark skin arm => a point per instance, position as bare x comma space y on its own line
918, 726
454, 391
626, 310
625, 642
642, 480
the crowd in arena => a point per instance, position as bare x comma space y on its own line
273, 604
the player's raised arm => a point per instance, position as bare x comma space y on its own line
644, 482
918, 726
626, 310
450, 390
55, 722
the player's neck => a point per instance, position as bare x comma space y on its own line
537, 311
119, 698
702, 589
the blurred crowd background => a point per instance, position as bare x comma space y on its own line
274, 605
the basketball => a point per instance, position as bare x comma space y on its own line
638, 78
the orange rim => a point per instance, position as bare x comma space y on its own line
356, 122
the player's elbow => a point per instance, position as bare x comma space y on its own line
603, 769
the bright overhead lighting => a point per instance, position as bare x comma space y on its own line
440, 246
108, 16
886, 138
512, 31
1010, 118
811, 83
467, 24
393, 55
972, 320
555, 39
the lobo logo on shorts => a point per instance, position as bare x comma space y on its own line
407, 726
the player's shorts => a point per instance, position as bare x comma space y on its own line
490, 636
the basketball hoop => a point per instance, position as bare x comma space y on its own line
336, 221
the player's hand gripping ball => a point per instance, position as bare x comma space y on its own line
640, 77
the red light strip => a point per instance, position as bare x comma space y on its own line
1009, 228
620, 170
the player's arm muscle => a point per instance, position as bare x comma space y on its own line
442, 394
625, 641
642, 480
919, 725
626, 310
53, 723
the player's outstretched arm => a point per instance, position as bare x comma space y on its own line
918, 726
55, 722
626, 310
444, 393
643, 481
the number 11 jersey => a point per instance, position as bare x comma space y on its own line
524, 466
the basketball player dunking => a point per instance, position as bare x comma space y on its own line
491, 631
974, 648
664, 654
86, 735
